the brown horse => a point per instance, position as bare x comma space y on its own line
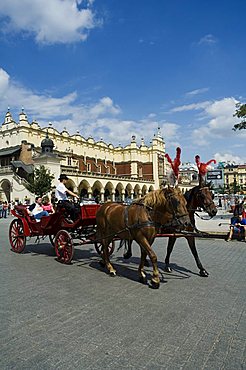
141, 222
198, 197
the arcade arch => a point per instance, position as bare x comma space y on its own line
84, 189
5, 189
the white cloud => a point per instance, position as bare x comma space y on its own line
4, 81
98, 119
193, 106
196, 92
207, 40
228, 157
220, 122
56, 21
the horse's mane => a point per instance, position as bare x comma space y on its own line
154, 198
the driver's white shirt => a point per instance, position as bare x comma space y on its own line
61, 192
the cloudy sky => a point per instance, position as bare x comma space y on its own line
112, 69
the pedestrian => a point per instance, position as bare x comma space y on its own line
1, 209
61, 195
36, 209
5, 209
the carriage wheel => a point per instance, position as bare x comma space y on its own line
64, 247
17, 238
52, 239
111, 247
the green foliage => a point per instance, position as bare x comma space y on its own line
39, 183
240, 113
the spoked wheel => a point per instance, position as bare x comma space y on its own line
17, 238
64, 247
52, 239
98, 247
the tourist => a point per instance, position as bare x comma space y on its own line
5, 209
36, 209
237, 228
47, 206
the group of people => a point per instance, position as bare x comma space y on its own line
42, 206
238, 222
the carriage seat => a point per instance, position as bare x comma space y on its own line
22, 211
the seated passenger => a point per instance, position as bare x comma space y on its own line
47, 206
237, 227
36, 209
61, 195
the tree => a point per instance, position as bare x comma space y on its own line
240, 113
39, 183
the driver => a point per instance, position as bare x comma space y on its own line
61, 195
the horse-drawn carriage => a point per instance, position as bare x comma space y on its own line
58, 228
143, 220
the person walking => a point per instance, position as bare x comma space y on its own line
5, 209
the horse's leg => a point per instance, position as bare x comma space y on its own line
142, 275
128, 248
128, 252
105, 257
144, 243
171, 242
192, 245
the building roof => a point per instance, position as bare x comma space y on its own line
29, 168
8, 151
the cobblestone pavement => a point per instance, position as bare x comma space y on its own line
78, 317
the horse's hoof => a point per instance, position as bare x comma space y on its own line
102, 263
112, 273
154, 284
203, 273
146, 263
168, 269
127, 255
143, 279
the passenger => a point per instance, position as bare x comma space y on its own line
237, 227
61, 195
47, 206
36, 209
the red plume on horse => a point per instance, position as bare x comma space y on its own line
202, 167
175, 163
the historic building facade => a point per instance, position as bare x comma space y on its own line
95, 169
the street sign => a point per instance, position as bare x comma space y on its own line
214, 175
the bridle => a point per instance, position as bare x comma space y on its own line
198, 193
176, 217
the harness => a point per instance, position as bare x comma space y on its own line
150, 222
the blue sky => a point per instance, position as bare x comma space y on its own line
112, 69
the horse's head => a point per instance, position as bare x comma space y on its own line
176, 207
204, 198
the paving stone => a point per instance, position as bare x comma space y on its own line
77, 317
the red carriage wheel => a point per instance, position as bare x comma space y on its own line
98, 247
17, 238
64, 247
